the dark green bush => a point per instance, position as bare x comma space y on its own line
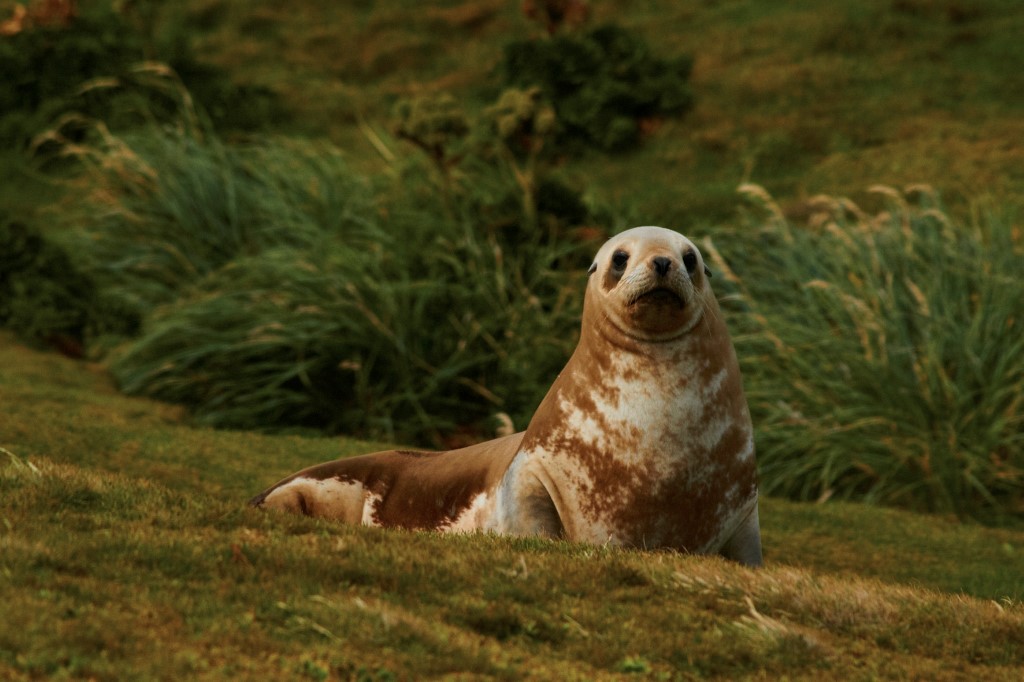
40, 68
44, 68
560, 201
602, 83
230, 106
492, 169
46, 298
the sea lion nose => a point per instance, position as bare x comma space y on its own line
661, 265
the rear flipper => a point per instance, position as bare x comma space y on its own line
745, 544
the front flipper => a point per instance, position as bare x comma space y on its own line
744, 545
525, 505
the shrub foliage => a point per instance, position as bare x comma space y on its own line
46, 297
87, 65
602, 83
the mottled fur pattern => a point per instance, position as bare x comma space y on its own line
644, 440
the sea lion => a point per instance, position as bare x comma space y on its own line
644, 440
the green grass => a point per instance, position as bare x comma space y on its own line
125, 535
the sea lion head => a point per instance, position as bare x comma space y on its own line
649, 284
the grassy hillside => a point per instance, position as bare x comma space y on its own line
798, 96
127, 551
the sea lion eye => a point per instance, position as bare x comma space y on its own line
619, 259
690, 261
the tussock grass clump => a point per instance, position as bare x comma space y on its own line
406, 340
883, 354
283, 290
164, 209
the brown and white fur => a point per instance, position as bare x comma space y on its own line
644, 440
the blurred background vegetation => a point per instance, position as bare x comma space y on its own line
375, 218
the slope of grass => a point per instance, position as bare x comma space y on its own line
129, 552
801, 97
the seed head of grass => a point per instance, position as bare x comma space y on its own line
883, 357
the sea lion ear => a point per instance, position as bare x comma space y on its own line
593, 268
707, 271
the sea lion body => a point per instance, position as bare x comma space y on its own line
644, 439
